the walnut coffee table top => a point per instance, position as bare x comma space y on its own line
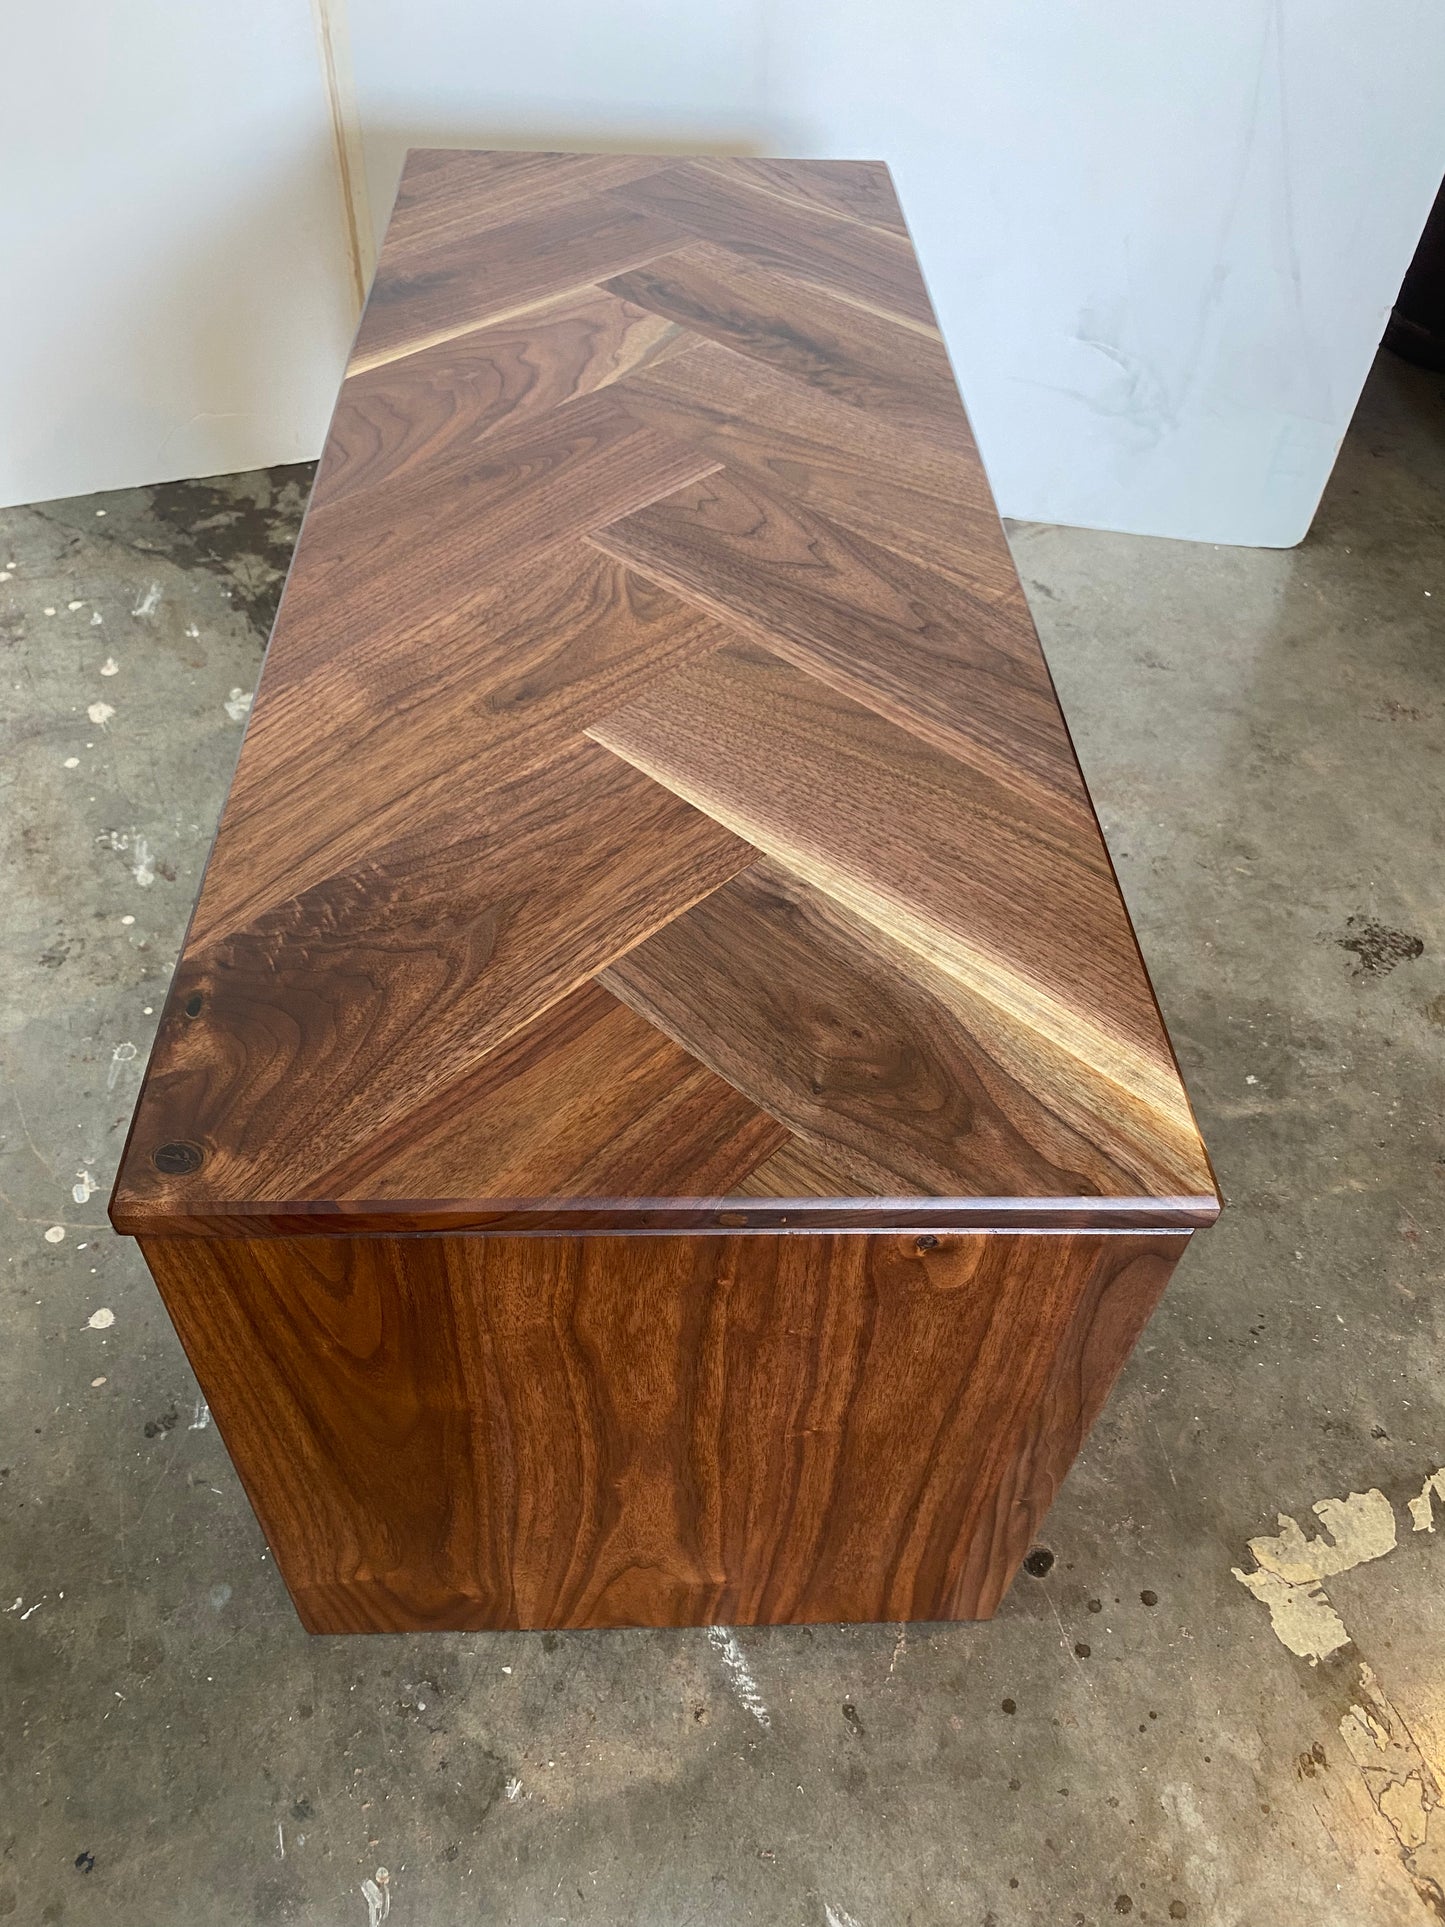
656, 812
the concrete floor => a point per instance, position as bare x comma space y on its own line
1134, 1733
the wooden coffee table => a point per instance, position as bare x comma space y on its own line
660, 1117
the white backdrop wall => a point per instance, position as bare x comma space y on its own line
1163, 241
626, 75
177, 297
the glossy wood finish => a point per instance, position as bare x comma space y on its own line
611, 1431
655, 794
660, 1117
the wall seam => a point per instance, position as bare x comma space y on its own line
334, 39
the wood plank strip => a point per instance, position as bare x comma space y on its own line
917, 646
874, 270
795, 1170
450, 289
402, 417
397, 562
347, 1010
447, 194
855, 190
917, 497
588, 1103
869, 363
438, 720
948, 862
892, 1077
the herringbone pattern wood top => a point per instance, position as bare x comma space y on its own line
655, 811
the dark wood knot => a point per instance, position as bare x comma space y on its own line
178, 1158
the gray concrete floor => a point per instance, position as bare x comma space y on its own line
1134, 1733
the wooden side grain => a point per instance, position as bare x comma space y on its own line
461, 1433
796, 1170
448, 194
392, 563
587, 1101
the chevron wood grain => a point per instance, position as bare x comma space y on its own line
923, 500
871, 362
865, 265
860, 191
655, 817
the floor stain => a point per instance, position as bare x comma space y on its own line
1377, 947
246, 540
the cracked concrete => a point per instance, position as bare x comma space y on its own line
1263, 733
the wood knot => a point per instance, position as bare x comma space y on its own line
178, 1158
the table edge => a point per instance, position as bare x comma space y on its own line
654, 1216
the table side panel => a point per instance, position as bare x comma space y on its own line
454, 1432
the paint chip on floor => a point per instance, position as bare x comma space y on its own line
1299, 1615
377, 1895
1402, 1785
101, 1320
100, 713
238, 705
1422, 1509
1361, 1528
1290, 1567
55, 1235
123, 1053
725, 1644
149, 602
